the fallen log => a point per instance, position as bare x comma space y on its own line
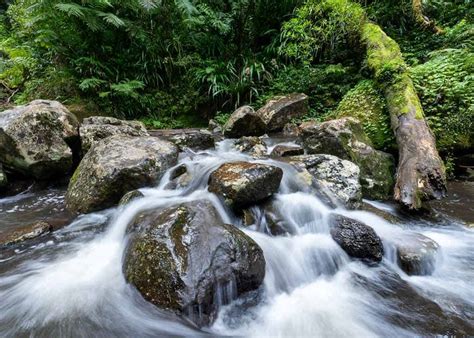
420, 173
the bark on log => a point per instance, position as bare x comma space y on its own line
420, 173
423, 20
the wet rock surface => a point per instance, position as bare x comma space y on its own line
96, 128
346, 139
130, 196
335, 179
241, 184
253, 145
184, 258
287, 150
3, 178
39, 139
194, 139
357, 239
244, 122
279, 111
417, 254
115, 166
25, 233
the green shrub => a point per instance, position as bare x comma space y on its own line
445, 85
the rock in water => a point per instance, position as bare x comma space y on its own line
3, 178
184, 257
115, 166
242, 184
417, 255
244, 122
253, 145
346, 139
287, 150
335, 179
280, 110
357, 239
25, 233
38, 139
96, 128
130, 196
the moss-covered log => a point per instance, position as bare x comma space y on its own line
420, 173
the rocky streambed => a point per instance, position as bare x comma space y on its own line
188, 233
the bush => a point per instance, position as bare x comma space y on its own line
445, 85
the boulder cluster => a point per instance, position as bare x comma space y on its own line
185, 258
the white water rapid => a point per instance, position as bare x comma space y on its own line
73, 285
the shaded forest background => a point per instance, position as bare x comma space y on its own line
177, 63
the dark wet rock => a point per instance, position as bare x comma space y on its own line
39, 139
279, 111
130, 196
115, 166
253, 145
406, 308
357, 239
3, 178
196, 140
182, 257
25, 233
96, 128
267, 218
286, 150
335, 179
241, 184
244, 122
417, 255
346, 139
180, 177
391, 218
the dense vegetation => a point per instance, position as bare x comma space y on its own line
175, 63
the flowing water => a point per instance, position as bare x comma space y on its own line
72, 284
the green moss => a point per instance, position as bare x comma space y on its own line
365, 103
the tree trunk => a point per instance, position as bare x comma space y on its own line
420, 18
420, 172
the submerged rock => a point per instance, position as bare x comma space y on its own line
130, 196
346, 139
25, 233
357, 239
241, 184
253, 145
286, 150
280, 110
417, 255
244, 122
39, 139
115, 166
96, 128
336, 179
184, 257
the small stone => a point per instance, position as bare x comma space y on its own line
285, 150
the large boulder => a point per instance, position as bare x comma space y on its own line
96, 128
39, 139
185, 259
416, 254
357, 239
115, 166
280, 110
346, 139
244, 122
241, 184
335, 179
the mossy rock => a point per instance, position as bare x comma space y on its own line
182, 257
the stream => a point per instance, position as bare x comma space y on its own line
71, 283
